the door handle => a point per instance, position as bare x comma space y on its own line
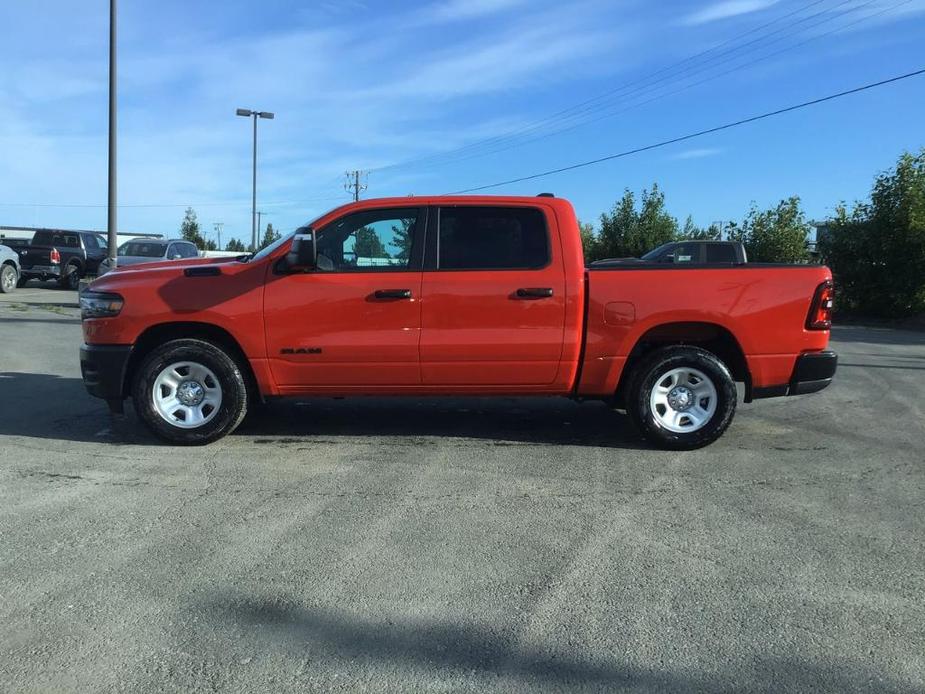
534, 293
393, 294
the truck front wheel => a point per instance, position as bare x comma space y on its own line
190, 392
681, 397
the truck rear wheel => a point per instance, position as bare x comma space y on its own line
70, 277
190, 392
681, 397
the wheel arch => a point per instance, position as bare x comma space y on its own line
712, 337
156, 335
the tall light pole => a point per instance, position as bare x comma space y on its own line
111, 220
218, 232
247, 113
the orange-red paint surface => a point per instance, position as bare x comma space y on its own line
465, 331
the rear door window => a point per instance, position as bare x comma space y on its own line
720, 253
492, 238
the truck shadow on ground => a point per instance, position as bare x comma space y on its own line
52, 407
418, 643
498, 420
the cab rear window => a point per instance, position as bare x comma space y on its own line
492, 238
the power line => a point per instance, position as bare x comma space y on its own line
686, 87
699, 133
589, 106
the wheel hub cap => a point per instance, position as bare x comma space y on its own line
191, 393
681, 398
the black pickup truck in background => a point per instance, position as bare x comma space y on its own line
690, 252
65, 256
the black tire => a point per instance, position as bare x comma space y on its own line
70, 279
652, 370
233, 389
9, 279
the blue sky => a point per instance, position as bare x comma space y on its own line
457, 93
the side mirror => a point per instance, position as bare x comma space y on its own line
303, 254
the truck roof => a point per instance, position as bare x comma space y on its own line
414, 200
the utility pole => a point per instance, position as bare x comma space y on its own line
259, 216
353, 185
218, 232
111, 221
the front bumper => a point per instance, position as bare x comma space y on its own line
103, 370
812, 372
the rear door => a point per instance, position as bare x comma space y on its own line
356, 319
494, 297
96, 249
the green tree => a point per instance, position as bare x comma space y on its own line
589, 241
269, 236
777, 235
368, 244
877, 249
189, 228
628, 232
402, 238
236, 246
696, 233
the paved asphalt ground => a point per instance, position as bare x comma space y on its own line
460, 545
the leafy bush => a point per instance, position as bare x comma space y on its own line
777, 235
877, 250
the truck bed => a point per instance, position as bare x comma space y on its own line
762, 307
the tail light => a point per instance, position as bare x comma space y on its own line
54, 257
820, 311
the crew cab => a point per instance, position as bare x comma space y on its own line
65, 256
447, 295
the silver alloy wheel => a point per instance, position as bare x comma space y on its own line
186, 394
8, 276
683, 400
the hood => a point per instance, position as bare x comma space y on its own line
140, 263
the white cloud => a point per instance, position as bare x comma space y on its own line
726, 9
701, 153
460, 10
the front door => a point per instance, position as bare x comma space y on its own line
356, 319
494, 300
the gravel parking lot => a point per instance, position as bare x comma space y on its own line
460, 545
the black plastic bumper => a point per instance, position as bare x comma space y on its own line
103, 371
813, 372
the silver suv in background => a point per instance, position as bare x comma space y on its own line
9, 269
139, 251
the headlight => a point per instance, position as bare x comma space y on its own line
100, 305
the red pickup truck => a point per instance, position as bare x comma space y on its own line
452, 296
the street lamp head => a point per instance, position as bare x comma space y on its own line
244, 112
265, 114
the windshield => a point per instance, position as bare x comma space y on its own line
264, 252
142, 249
656, 252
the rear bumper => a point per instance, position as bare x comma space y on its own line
41, 271
813, 372
103, 371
